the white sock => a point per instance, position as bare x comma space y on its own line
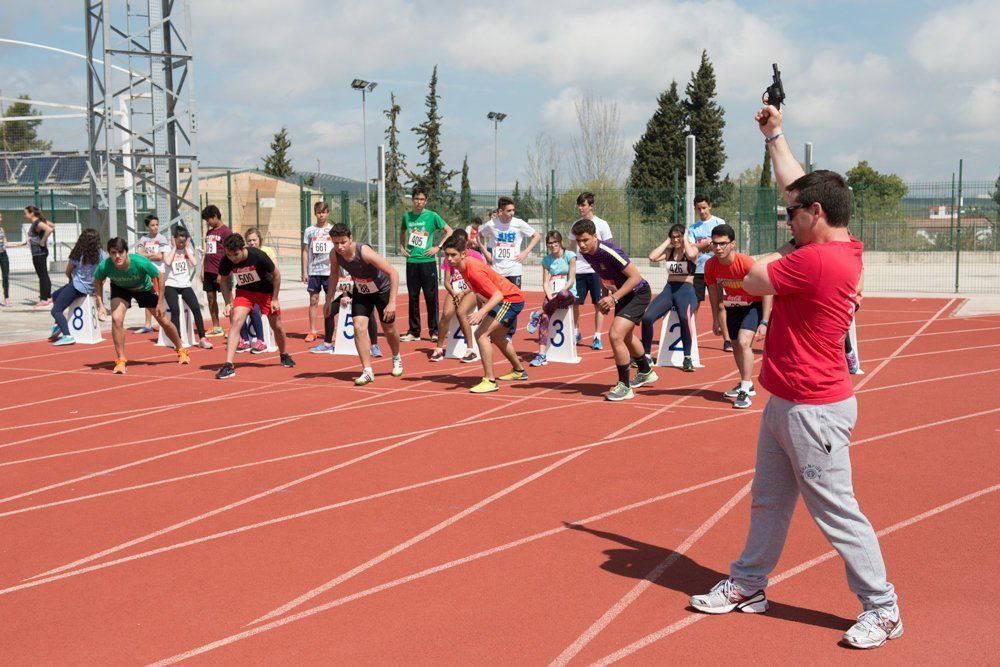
396, 356
597, 336
746, 385
367, 369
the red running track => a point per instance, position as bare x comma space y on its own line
287, 516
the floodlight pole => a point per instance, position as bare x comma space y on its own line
365, 87
689, 181
497, 118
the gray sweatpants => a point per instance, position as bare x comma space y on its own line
804, 449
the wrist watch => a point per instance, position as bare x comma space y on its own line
763, 323
614, 298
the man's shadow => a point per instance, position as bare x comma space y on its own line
691, 578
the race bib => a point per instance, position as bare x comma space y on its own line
180, 266
459, 284
503, 252
677, 268
345, 285
418, 239
152, 247
211, 246
247, 277
557, 283
321, 247
365, 286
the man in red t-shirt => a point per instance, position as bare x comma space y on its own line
806, 427
744, 314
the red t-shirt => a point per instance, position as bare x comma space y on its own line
484, 281
214, 250
731, 279
815, 292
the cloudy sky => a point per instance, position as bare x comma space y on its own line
910, 86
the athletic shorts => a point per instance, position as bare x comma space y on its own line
211, 282
363, 305
587, 283
743, 317
248, 299
699, 286
633, 307
317, 283
506, 313
147, 299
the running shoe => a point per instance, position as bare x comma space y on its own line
366, 377
183, 358
688, 365
322, 348
311, 336
619, 392
649, 358
65, 340
853, 364
287, 361
642, 379
5, 302
727, 346
120, 367
539, 360
579, 337
227, 371
205, 345
873, 628
485, 386
515, 375
215, 333
742, 401
735, 391
408, 338
44, 303
437, 354
598, 345
376, 350
54, 333
397, 366
242, 346
727, 596
258, 347
144, 330
536, 316
470, 357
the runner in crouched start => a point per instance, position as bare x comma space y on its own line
498, 314
257, 283
459, 302
376, 284
628, 294
132, 276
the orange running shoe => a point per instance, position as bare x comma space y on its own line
183, 358
311, 336
120, 366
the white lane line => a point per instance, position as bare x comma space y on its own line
438, 568
611, 614
798, 569
941, 378
899, 349
932, 333
399, 548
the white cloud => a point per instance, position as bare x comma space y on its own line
960, 40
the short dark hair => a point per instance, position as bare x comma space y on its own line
118, 244
585, 197
701, 198
149, 218
454, 243
503, 202
234, 242
584, 226
830, 190
211, 211
476, 221
724, 230
340, 229
418, 190
321, 206
181, 230
460, 233
677, 228
554, 235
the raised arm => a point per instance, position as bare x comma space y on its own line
786, 167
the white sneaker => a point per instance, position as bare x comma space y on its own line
366, 377
874, 628
397, 366
735, 391
727, 596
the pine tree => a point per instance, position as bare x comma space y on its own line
21, 135
465, 201
765, 171
277, 163
434, 177
395, 161
516, 196
659, 153
705, 122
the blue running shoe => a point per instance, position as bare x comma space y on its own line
533, 321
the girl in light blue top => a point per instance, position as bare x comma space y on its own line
83, 259
559, 266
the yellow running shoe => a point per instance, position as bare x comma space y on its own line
515, 375
485, 386
120, 366
183, 358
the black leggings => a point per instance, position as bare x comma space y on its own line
676, 294
5, 270
40, 262
191, 300
330, 325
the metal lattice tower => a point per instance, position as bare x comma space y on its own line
141, 113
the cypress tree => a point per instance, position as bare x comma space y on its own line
278, 163
395, 161
659, 153
434, 177
706, 122
465, 199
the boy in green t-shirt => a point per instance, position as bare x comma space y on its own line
416, 241
132, 276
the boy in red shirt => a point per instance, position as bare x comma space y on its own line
745, 314
503, 303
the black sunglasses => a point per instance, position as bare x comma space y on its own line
790, 210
